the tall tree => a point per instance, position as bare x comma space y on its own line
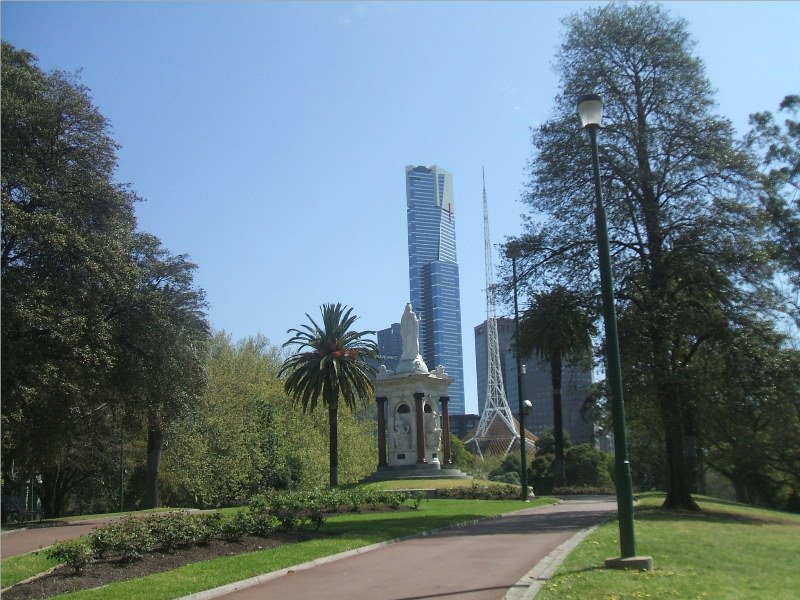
556, 329
162, 336
677, 190
334, 367
66, 231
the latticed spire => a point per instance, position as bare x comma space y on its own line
496, 406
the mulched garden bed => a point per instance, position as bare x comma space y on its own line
103, 572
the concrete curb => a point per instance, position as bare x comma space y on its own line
245, 583
530, 583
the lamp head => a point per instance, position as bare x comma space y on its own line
590, 109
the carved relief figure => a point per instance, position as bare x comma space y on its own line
433, 430
401, 435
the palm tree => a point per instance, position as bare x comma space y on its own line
556, 328
334, 366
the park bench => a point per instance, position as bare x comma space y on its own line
17, 505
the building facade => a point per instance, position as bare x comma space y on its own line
390, 345
576, 383
433, 273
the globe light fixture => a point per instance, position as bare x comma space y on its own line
590, 109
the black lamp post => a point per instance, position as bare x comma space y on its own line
512, 253
590, 109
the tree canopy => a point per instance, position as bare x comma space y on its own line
686, 235
98, 319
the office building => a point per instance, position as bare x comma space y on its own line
433, 273
576, 382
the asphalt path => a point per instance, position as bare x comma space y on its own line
481, 561
20, 541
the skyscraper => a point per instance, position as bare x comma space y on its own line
576, 384
433, 273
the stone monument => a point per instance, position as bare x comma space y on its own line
413, 426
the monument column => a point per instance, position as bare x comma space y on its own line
445, 429
420, 428
381, 431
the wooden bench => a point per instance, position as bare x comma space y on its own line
16, 505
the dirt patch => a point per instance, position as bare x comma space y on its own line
104, 572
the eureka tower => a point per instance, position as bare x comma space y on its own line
433, 273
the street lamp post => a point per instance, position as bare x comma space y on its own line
520, 384
590, 109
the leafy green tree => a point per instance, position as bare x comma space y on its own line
334, 367
162, 335
752, 413
778, 148
65, 237
557, 329
589, 466
684, 234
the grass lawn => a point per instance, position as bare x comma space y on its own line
344, 532
729, 551
18, 568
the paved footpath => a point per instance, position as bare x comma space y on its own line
20, 541
481, 561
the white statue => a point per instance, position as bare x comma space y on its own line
433, 430
409, 332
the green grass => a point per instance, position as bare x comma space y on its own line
728, 551
19, 568
345, 532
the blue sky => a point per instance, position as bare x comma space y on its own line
269, 139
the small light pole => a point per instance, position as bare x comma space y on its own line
590, 110
512, 252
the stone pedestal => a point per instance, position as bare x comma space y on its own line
413, 422
413, 427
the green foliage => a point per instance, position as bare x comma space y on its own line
102, 327
173, 529
546, 443
74, 553
588, 466
479, 492
462, 458
540, 473
236, 526
334, 366
685, 233
245, 436
778, 151
508, 471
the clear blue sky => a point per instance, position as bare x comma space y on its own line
269, 140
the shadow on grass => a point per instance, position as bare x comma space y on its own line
519, 524
708, 515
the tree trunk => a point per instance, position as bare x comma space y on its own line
333, 413
559, 477
152, 496
679, 493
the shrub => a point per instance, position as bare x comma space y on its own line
75, 553
510, 477
208, 527
238, 525
130, 537
172, 529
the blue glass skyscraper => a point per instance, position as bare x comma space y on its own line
433, 273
